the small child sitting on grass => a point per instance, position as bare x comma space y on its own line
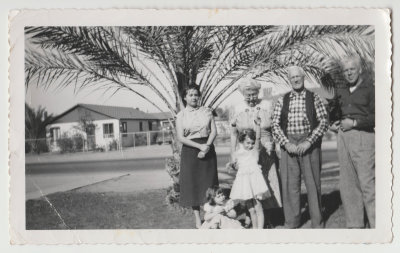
219, 212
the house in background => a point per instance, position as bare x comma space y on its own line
163, 118
101, 126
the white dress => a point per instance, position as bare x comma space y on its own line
242, 117
249, 182
219, 221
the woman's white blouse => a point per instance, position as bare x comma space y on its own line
196, 122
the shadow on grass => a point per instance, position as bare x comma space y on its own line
330, 204
274, 216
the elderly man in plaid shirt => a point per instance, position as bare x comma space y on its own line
299, 122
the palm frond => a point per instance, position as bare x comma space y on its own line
214, 57
310, 47
96, 53
58, 69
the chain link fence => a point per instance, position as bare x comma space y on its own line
81, 143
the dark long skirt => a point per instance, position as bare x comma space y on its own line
196, 175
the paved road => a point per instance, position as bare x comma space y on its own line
46, 178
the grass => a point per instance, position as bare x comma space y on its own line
141, 210
86, 210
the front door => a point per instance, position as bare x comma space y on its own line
91, 137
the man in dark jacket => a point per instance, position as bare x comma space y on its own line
299, 122
356, 144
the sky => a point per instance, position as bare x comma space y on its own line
57, 101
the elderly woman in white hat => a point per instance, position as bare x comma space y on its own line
242, 117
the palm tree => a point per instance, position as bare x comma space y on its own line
165, 59
35, 128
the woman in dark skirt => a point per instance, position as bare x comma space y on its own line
196, 131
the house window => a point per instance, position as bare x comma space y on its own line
140, 126
124, 129
55, 133
108, 130
150, 126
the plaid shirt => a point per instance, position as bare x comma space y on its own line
297, 118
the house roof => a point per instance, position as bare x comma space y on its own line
118, 112
161, 115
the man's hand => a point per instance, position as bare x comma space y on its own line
303, 147
335, 126
291, 148
346, 124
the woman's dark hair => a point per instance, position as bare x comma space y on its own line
186, 90
211, 193
247, 133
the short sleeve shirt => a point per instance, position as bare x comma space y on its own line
196, 122
242, 116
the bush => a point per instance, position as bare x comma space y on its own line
78, 142
65, 143
70, 144
113, 145
99, 148
140, 139
36, 146
153, 137
42, 147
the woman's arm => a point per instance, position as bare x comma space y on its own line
257, 145
211, 138
213, 133
182, 139
234, 139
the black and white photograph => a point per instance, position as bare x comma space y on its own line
266, 127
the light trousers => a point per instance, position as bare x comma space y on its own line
356, 150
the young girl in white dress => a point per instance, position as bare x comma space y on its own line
219, 211
249, 184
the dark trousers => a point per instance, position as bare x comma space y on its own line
292, 167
